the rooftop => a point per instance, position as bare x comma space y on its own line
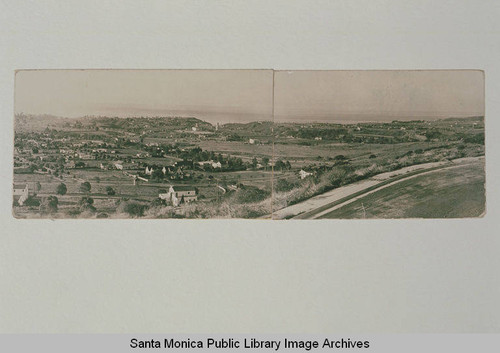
183, 188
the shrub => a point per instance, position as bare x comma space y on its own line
87, 204
31, 201
73, 212
61, 189
250, 194
339, 176
50, 204
110, 191
134, 209
85, 187
158, 202
284, 185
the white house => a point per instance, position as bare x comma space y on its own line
303, 174
21, 193
180, 194
118, 166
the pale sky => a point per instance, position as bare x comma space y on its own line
247, 95
377, 95
211, 95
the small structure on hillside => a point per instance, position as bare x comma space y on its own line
21, 193
303, 174
180, 194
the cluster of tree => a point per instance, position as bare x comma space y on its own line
282, 165
86, 204
474, 138
325, 134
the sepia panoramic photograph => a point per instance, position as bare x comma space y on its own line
263, 144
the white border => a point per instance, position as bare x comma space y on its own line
250, 276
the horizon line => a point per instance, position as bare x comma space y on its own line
338, 120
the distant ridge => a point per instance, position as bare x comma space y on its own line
22, 119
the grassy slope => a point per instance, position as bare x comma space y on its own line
452, 193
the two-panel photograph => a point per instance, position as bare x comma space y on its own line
262, 144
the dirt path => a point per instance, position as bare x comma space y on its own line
322, 204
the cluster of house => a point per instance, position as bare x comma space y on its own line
215, 165
174, 172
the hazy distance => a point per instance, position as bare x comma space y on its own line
210, 95
377, 95
247, 95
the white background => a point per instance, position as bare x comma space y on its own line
250, 276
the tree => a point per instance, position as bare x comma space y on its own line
61, 189
87, 204
284, 185
110, 191
52, 203
279, 165
49, 204
265, 161
85, 187
157, 174
341, 160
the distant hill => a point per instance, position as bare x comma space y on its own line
25, 122
468, 118
254, 128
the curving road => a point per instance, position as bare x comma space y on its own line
320, 205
